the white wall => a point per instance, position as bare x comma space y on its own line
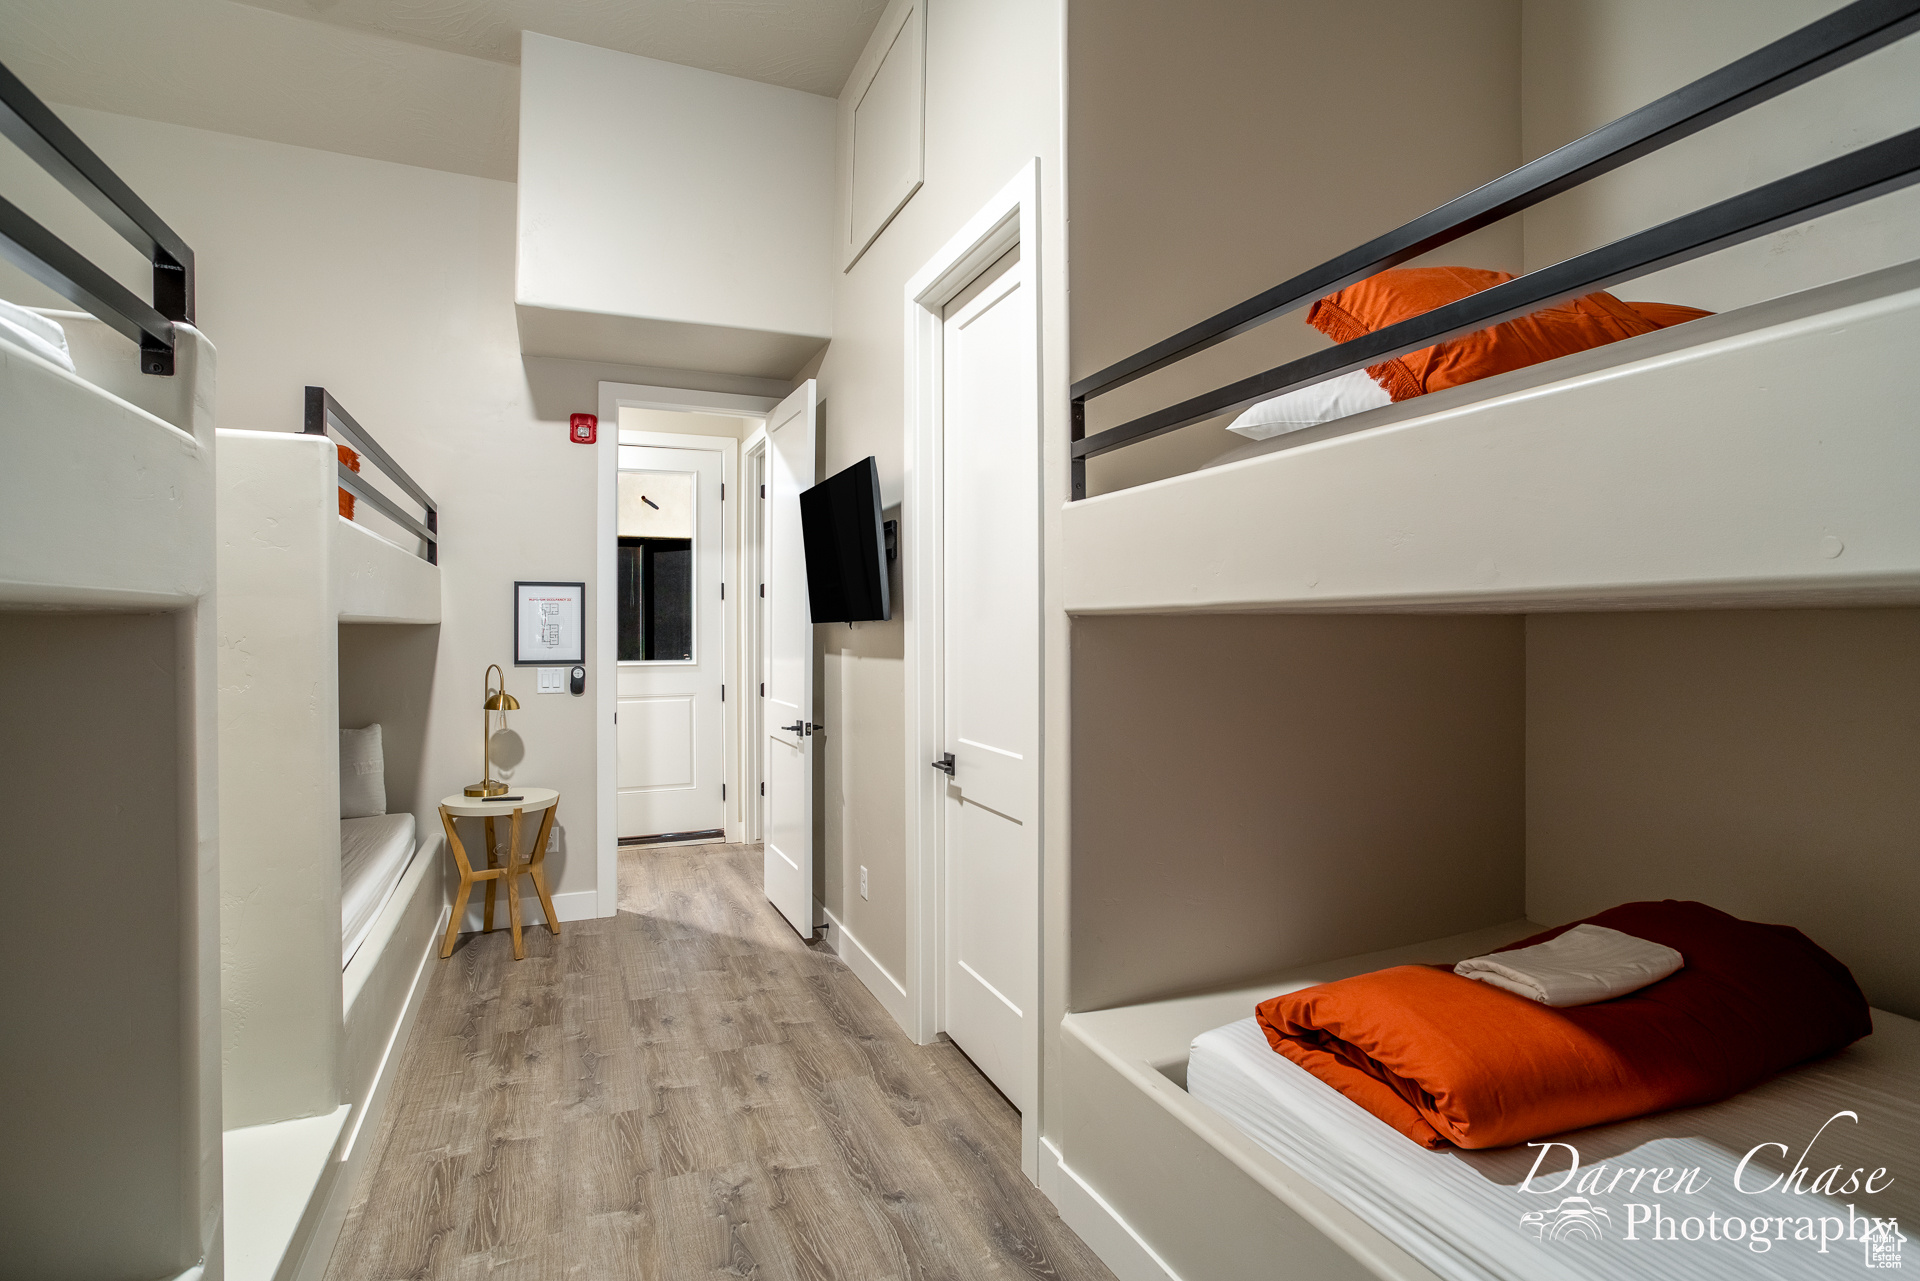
1585, 62
393, 287
655, 192
1252, 792
99, 1054
1761, 761
279, 780
992, 106
1217, 149
241, 68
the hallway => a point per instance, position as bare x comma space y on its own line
688, 1090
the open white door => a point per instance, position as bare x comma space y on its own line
787, 712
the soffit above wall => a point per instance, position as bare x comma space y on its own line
663, 344
809, 45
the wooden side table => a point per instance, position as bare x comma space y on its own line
514, 806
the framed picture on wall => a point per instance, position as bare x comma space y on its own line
549, 624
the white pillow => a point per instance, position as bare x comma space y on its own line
1323, 402
39, 335
363, 773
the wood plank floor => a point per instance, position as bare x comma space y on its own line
688, 1090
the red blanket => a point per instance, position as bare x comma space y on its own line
1447, 1060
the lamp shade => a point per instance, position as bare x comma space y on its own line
503, 702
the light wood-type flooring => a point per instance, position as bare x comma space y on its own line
688, 1090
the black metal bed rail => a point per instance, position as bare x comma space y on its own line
322, 412
1812, 51
33, 127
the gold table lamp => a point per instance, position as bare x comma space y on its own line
497, 701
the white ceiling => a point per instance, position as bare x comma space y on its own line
801, 44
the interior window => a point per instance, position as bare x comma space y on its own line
656, 566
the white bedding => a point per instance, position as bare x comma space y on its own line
374, 853
1460, 1213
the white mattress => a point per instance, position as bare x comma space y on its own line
1460, 1213
374, 853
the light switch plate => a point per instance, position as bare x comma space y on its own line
553, 680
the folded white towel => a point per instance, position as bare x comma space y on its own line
1586, 964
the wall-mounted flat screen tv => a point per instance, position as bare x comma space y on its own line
846, 550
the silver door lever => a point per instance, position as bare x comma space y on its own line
945, 764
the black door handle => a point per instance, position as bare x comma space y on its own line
945, 764
798, 727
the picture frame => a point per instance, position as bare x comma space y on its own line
549, 624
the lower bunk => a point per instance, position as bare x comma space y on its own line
289, 1183
1223, 1159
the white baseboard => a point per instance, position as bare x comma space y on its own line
1108, 1235
577, 905
352, 1157
888, 990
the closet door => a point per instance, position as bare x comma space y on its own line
787, 709
991, 607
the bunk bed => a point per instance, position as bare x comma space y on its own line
329, 904
1682, 466
107, 660
1370, 745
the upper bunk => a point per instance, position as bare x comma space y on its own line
106, 415
298, 517
1761, 456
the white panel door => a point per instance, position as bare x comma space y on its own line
787, 714
991, 611
670, 726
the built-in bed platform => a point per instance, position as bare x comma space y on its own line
1764, 456
1232, 1162
106, 499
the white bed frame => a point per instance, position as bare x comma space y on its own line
1176, 1187
1762, 457
107, 507
1766, 457
309, 1050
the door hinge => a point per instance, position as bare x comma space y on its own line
763, 789
723, 693
723, 591
763, 491
723, 791
763, 591
763, 689
723, 498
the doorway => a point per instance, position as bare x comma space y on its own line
672, 653
667, 624
973, 646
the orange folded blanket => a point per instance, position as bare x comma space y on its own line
1446, 1060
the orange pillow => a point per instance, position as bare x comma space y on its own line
1406, 292
1446, 1060
352, 460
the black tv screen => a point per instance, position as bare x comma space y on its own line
846, 551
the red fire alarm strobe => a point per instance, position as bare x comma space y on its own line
583, 429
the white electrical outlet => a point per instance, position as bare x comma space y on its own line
552, 680
863, 881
